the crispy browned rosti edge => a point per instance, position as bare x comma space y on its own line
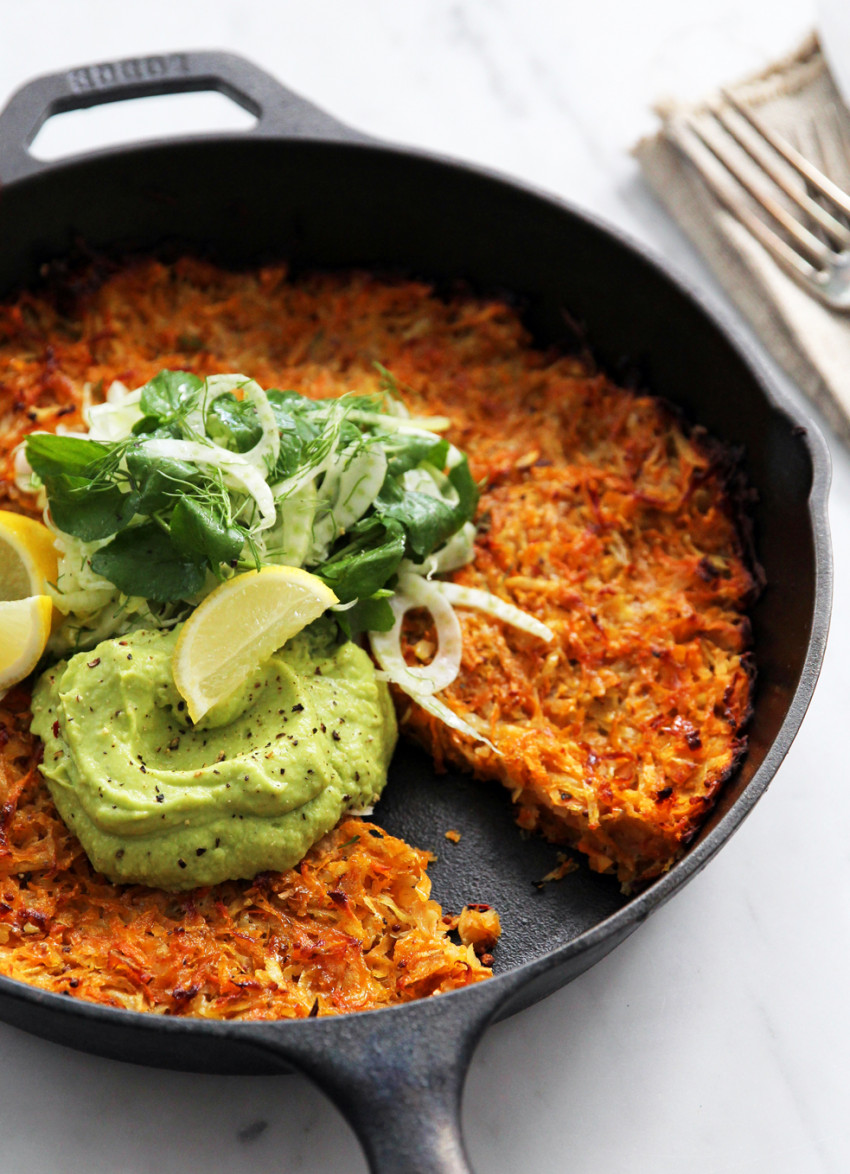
461, 356
351, 928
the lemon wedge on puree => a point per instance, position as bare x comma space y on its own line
238, 626
27, 564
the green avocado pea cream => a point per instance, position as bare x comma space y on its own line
156, 800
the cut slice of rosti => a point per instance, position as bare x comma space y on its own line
617, 737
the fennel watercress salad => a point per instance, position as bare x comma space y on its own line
185, 482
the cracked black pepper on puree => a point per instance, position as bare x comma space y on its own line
156, 800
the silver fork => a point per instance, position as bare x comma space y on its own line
795, 211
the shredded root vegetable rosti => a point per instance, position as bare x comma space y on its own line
351, 928
602, 515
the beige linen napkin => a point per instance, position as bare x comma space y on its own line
798, 98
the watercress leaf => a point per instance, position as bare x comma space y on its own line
412, 450
298, 427
467, 490
168, 392
362, 566
294, 411
368, 615
292, 444
146, 426
291, 402
390, 493
150, 428
87, 512
196, 530
349, 433
51, 455
364, 528
428, 520
282, 402
142, 560
159, 479
233, 423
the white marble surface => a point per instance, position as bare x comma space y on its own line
717, 1038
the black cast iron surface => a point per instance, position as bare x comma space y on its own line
304, 187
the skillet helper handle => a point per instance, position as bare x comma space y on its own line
397, 1076
279, 112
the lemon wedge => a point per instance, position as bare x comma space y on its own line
27, 556
27, 565
24, 628
238, 626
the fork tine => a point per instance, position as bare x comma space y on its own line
779, 175
729, 194
791, 155
815, 249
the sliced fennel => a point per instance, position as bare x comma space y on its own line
289, 541
414, 591
484, 601
348, 489
448, 717
263, 456
422, 683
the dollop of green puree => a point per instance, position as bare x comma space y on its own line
157, 801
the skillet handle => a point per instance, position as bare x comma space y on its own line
397, 1075
279, 112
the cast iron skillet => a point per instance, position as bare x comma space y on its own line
303, 186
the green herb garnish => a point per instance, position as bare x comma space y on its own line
201, 478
